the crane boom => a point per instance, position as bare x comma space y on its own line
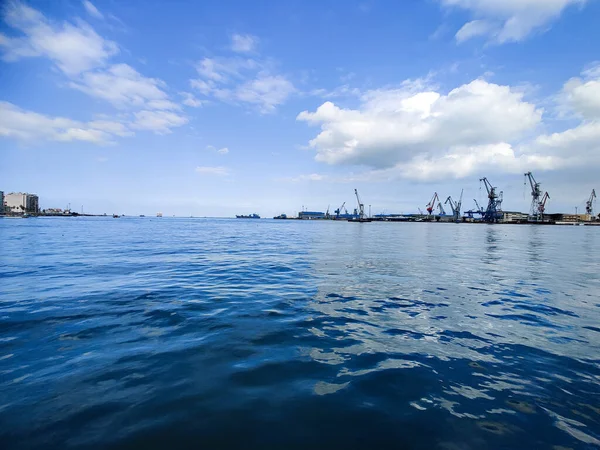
589, 205
340, 209
494, 207
431, 205
452, 204
456, 206
538, 200
361, 206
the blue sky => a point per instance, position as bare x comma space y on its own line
218, 108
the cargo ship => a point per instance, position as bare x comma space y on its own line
250, 216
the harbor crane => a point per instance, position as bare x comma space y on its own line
538, 200
589, 205
361, 206
494, 207
340, 209
456, 206
479, 208
441, 208
431, 205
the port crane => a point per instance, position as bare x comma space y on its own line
456, 206
340, 209
431, 205
538, 200
589, 205
361, 206
494, 207
479, 208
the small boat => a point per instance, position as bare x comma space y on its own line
359, 220
250, 216
281, 216
141, 215
159, 214
115, 216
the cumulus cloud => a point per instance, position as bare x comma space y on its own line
73, 47
31, 126
83, 57
92, 10
243, 43
400, 126
416, 132
208, 170
508, 20
581, 95
223, 151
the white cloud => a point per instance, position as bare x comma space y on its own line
123, 86
160, 122
74, 48
265, 91
301, 178
204, 87
116, 128
341, 91
223, 151
82, 55
163, 104
190, 100
582, 95
243, 43
395, 126
31, 126
474, 28
242, 81
92, 10
509, 20
222, 70
218, 170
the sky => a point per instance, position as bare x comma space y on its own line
231, 107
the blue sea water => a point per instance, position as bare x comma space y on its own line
215, 333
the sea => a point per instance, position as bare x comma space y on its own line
177, 333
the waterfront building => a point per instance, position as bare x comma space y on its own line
21, 203
311, 215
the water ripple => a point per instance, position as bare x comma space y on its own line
274, 334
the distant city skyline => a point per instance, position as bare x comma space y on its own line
217, 109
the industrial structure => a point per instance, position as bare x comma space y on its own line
538, 200
433, 203
456, 206
360, 211
493, 212
589, 205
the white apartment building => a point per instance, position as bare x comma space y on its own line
19, 202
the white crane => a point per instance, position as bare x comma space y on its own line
538, 200
456, 206
361, 206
